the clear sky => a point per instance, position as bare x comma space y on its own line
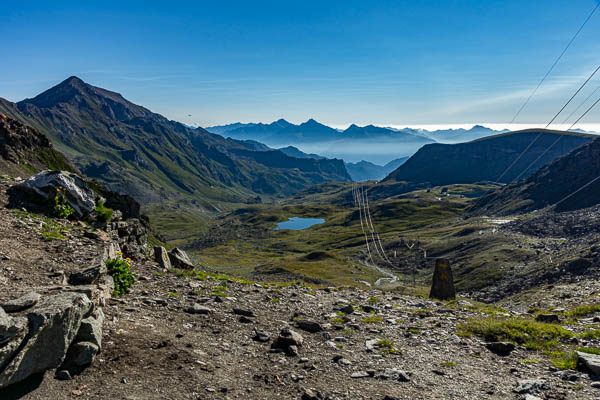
417, 62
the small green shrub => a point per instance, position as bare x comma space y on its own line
104, 213
447, 364
563, 359
59, 206
120, 270
387, 347
220, 291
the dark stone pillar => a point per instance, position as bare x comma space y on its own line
442, 287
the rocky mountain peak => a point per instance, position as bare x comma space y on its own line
74, 92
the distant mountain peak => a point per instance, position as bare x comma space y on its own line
72, 80
74, 92
311, 121
61, 93
282, 123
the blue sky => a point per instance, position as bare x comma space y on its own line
400, 63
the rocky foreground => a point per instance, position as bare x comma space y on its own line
189, 334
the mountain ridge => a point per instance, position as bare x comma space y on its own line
486, 159
573, 171
131, 149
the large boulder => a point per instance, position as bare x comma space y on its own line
180, 259
53, 324
588, 362
77, 192
80, 355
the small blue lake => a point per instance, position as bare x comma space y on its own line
297, 223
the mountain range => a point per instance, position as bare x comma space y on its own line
367, 171
141, 153
375, 144
359, 171
281, 132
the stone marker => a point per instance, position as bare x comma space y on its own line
162, 257
442, 287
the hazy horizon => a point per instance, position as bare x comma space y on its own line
400, 64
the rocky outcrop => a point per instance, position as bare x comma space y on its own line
22, 303
76, 191
53, 324
24, 150
132, 236
62, 328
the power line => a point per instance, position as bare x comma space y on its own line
577, 191
559, 138
547, 125
580, 105
585, 113
555, 63
572, 97
538, 158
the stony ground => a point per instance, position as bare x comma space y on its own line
206, 336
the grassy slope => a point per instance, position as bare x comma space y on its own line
331, 251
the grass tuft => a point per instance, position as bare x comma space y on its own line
530, 333
372, 319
